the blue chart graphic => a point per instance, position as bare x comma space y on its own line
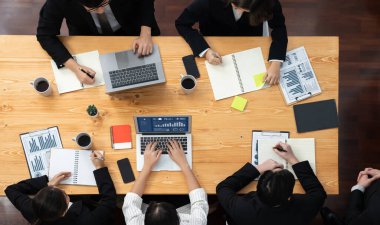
174, 124
44, 143
37, 163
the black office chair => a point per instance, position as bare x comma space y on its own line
329, 217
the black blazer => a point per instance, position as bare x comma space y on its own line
78, 213
131, 15
248, 209
216, 18
363, 208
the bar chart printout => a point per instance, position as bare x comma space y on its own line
37, 145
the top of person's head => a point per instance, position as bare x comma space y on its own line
49, 204
275, 188
91, 3
259, 10
159, 213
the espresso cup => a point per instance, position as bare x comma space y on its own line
188, 83
83, 140
42, 86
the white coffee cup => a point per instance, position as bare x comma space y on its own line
83, 140
188, 83
42, 86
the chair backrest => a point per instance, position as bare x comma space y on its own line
265, 29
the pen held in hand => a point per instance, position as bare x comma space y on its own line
87, 73
218, 57
280, 149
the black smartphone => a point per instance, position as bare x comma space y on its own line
126, 170
191, 66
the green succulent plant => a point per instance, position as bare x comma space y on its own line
92, 110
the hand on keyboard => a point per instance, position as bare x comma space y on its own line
176, 153
151, 156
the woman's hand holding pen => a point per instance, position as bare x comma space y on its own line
84, 74
97, 159
285, 151
213, 57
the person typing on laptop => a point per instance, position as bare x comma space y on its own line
274, 202
162, 212
92, 18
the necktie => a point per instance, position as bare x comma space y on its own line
104, 24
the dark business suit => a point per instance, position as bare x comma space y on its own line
130, 14
248, 209
364, 208
78, 213
216, 18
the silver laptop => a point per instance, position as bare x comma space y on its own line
125, 70
160, 129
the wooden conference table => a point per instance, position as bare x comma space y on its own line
221, 135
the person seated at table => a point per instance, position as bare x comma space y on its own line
364, 204
234, 18
163, 212
51, 205
274, 202
93, 18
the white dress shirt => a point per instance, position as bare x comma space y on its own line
111, 19
198, 215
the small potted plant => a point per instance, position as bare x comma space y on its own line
92, 111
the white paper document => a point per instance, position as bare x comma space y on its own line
261, 134
297, 78
239, 73
303, 148
67, 81
78, 162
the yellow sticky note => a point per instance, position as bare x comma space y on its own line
239, 103
258, 78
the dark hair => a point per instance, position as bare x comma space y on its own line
49, 204
275, 188
90, 3
159, 213
259, 10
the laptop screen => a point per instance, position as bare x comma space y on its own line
164, 124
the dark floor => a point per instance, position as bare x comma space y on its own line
357, 22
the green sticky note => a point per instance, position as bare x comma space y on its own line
239, 103
258, 78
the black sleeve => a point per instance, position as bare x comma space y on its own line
18, 195
227, 189
147, 13
103, 213
184, 24
49, 25
355, 208
279, 34
315, 196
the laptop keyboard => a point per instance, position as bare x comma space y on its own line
133, 75
162, 141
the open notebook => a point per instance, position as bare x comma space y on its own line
67, 81
78, 162
239, 73
303, 148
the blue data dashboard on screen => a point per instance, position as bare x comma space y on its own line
175, 124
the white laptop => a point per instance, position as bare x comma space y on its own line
160, 129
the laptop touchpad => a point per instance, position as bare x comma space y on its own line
128, 59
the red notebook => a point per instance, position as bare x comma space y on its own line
121, 137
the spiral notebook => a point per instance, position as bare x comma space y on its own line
240, 72
78, 162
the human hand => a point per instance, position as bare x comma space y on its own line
176, 153
213, 57
285, 151
58, 178
151, 156
143, 45
372, 172
365, 180
273, 74
269, 164
97, 159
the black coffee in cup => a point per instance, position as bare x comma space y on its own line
84, 140
188, 83
42, 86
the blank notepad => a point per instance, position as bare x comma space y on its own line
303, 148
78, 162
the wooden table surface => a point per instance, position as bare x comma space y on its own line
221, 135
